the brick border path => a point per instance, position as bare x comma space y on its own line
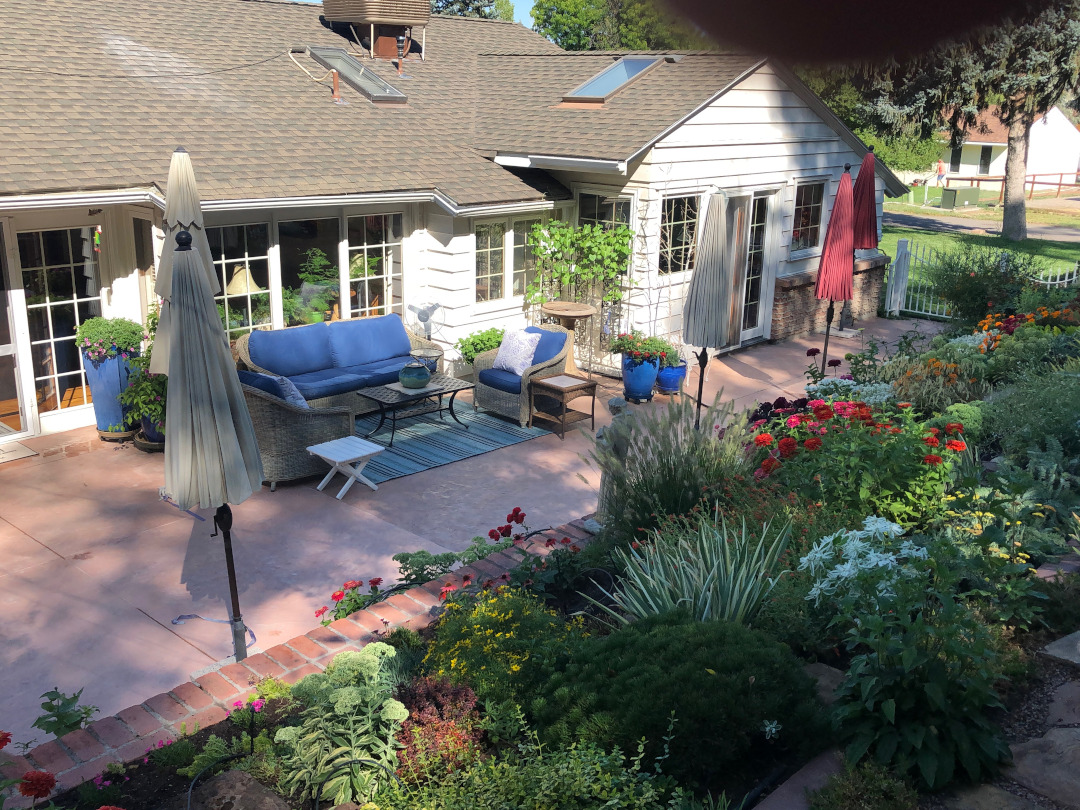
81, 755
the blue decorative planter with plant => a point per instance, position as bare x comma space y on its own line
641, 359
108, 345
671, 376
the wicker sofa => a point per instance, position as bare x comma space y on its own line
329, 362
507, 394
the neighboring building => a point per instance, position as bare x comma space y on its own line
1053, 148
419, 188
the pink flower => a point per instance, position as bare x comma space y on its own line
815, 403
258, 704
793, 421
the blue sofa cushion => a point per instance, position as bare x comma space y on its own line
264, 382
290, 352
380, 372
367, 340
327, 382
503, 380
551, 343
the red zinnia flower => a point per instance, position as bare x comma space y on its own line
321, 611
955, 444
934, 431
375, 582
833, 363
763, 439
903, 404
932, 460
5, 738
931, 441
788, 447
813, 443
770, 464
953, 428
37, 784
337, 596
348, 586
813, 352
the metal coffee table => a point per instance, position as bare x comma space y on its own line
399, 403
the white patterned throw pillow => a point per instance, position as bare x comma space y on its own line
516, 352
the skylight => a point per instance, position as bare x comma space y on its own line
360, 78
611, 79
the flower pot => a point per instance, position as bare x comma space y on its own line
639, 376
670, 378
107, 378
150, 431
414, 375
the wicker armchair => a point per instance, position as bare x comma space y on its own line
516, 406
284, 432
347, 400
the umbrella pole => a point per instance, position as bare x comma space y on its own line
703, 360
828, 326
223, 521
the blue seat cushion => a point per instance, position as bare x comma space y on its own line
327, 382
264, 382
503, 380
551, 343
367, 340
379, 372
290, 352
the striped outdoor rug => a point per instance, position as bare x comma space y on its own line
425, 441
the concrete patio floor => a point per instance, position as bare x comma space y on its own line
94, 566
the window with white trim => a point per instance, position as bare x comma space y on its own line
375, 280
505, 263
241, 260
806, 225
678, 233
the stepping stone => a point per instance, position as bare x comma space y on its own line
988, 797
1065, 708
231, 790
1050, 766
811, 777
1066, 649
828, 679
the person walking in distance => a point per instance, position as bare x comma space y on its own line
940, 171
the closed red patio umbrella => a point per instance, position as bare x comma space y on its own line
834, 280
865, 202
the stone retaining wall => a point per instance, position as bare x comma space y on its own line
797, 312
125, 737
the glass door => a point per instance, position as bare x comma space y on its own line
753, 310
12, 413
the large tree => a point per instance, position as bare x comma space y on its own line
579, 25
1019, 69
488, 9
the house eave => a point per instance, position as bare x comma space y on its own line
78, 199
530, 161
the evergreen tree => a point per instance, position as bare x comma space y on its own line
487, 9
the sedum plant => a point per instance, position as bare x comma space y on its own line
344, 748
713, 570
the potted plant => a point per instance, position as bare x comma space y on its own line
641, 359
108, 345
144, 397
478, 343
672, 373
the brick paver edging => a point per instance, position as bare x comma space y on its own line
125, 737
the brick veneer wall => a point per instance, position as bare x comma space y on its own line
797, 312
81, 755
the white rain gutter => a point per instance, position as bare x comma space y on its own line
519, 161
80, 199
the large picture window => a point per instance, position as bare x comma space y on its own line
678, 233
63, 288
243, 269
375, 265
806, 227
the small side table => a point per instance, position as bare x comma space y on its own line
563, 388
342, 455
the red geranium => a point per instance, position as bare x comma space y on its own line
551, 542
494, 534
931, 441
770, 464
955, 444
932, 460
788, 447
813, 443
37, 784
953, 428
763, 439
337, 596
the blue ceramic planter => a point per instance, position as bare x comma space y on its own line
107, 378
414, 375
150, 431
670, 378
639, 377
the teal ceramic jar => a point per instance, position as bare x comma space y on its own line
414, 375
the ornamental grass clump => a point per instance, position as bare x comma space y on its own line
713, 570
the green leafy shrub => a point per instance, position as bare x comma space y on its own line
349, 714
62, 714
169, 754
789, 617
442, 734
99, 338
1035, 408
725, 684
575, 261
975, 279
932, 384
239, 753
1019, 353
656, 464
105, 789
1034, 296
503, 645
968, 414
865, 787
478, 343
713, 570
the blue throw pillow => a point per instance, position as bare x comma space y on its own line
280, 387
551, 343
290, 393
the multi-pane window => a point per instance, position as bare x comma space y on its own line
490, 238
243, 269
755, 264
375, 265
607, 211
524, 266
63, 289
806, 228
678, 233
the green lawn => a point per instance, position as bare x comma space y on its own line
1055, 254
